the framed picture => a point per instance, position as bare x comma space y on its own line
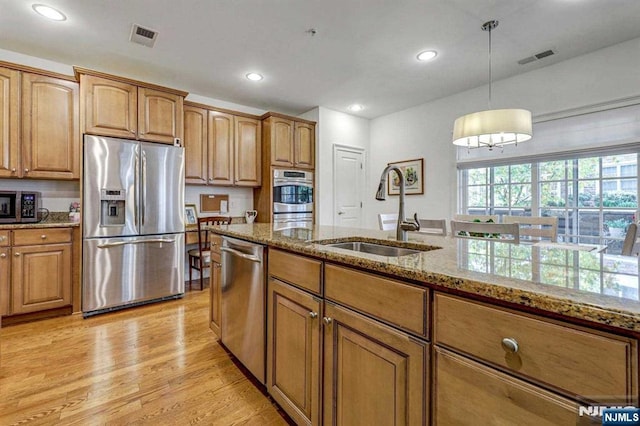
413, 171
190, 214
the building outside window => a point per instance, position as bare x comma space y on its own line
594, 198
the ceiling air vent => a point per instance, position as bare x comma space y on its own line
537, 56
143, 36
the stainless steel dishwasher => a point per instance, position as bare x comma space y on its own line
243, 303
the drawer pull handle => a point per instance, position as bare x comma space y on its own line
2, 238
327, 320
3, 255
313, 315
17, 255
510, 345
44, 237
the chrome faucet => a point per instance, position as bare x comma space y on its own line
403, 225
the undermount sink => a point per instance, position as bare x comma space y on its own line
373, 248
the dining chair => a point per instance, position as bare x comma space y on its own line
200, 258
433, 226
535, 228
502, 232
387, 221
481, 217
629, 246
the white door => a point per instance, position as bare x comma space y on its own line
348, 185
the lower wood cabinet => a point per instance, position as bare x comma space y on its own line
41, 277
466, 392
293, 351
5, 263
373, 374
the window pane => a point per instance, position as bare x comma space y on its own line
477, 196
609, 171
629, 170
554, 170
478, 176
629, 185
588, 193
501, 196
588, 168
521, 195
615, 198
521, 173
501, 174
588, 222
553, 194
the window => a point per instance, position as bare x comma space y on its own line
594, 197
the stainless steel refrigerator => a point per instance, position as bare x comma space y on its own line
133, 223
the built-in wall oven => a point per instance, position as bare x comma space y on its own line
292, 199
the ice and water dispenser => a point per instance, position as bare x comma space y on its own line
112, 207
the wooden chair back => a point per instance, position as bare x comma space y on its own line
203, 235
480, 217
387, 221
535, 228
629, 247
433, 226
505, 233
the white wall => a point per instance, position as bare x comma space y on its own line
562, 89
334, 128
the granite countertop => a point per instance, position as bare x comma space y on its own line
590, 286
54, 220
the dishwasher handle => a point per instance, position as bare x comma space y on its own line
240, 254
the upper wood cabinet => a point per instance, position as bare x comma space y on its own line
50, 129
119, 107
39, 124
221, 148
289, 142
9, 122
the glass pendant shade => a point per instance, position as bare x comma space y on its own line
493, 128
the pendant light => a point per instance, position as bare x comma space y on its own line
494, 127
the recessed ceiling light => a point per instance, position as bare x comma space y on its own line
254, 76
356, 107
427, 55
49, 12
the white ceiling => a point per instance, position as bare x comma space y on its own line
363, 52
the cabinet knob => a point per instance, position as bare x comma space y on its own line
13, 170
340, 213
43, 236
17, 254
313, 315
510, 345
2, 238
327, 320
3, 255
26, 170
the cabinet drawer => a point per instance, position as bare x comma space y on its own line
493, 398
298, 270
392, 301
22, 237
4, 238
567, 358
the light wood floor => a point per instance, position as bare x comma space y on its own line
158, 364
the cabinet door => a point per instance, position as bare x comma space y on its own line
50, 127
195, 144
293, 351
159, 116
9, 122
466, 392
41, 277
110, 107
4, 280
281, 141
247, 156
215, 289
305, 145
373, 374
220, 148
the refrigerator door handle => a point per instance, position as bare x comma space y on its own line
136, 178
122, 243
143, 186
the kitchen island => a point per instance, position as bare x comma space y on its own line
477, 328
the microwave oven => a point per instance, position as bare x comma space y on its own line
19, 206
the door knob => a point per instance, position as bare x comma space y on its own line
313, 315
327, 320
